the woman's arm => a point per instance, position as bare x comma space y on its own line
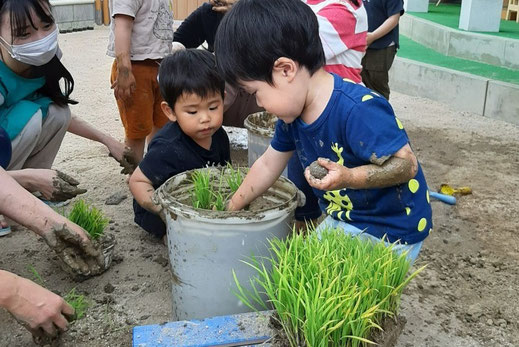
388, 25
125, 83
35, 307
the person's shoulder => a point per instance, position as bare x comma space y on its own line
354, 93
221, 138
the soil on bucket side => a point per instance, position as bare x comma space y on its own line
262, 123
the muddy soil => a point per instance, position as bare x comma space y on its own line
467, 295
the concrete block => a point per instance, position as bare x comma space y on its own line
84, 12
431, 35
416, 5
460, 90
482, 48
480, 15
503, 101
511, 57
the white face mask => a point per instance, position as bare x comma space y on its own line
36, 53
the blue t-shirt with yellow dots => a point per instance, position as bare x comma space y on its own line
358, 125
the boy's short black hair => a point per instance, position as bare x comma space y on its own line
189, 71
255, 33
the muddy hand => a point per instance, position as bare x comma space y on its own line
128, 162
65, 187
81, 256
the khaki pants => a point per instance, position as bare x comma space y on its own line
39, 141
375, 69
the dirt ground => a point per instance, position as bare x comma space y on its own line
467, 296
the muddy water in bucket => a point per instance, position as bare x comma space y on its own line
206, 246
260, 130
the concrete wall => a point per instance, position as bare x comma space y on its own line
487, 49
502, 101
74, 15
461, 91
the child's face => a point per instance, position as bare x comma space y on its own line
286, 97
199, 118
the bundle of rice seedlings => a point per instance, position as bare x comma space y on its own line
89, 218
330, 289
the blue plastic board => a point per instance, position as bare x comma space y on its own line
237, 330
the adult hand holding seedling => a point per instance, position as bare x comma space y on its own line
75, 249
37, 309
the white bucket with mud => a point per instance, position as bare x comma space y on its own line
260, 130
205, 246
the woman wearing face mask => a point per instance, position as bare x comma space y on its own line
34, 108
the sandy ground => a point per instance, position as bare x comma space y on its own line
467, 296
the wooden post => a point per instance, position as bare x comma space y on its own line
106, 12
99, 13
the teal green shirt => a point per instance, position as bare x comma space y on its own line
19, 100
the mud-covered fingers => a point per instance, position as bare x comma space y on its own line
74, 239
60, 322
67, 310
67, 178
76, 263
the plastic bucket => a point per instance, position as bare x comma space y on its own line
260, 130
206, 246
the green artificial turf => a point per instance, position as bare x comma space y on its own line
412, 50
449, 15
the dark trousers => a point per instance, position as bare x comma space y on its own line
375, 68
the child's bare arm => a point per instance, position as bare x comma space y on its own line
388, 25
262, 175
383, 172
142, 191
124, 85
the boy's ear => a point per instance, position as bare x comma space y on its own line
168, 111
286, 67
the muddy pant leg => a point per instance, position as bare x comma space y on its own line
311, 209
38, 143
149, 221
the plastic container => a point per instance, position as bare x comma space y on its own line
206, 246
260, 126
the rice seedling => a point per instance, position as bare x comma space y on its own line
35, 275
234, 178
214, 196
202, 191
78, 302
89, 218
330, 289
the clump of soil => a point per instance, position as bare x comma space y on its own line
392, 328
317, 170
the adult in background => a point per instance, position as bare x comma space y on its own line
141, 33
34, 109
382, 40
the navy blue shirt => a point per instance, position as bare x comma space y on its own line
199, 27
378, 11
356, 126
171, 152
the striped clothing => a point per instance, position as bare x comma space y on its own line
342, 28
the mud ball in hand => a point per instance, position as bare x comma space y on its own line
317, 170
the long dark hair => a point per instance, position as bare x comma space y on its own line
53, 71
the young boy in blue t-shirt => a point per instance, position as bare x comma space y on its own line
375, 186
193, 92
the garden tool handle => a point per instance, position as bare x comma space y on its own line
448, 199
